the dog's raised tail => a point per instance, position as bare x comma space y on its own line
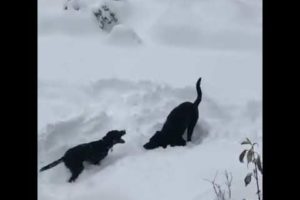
199, 93
53, 164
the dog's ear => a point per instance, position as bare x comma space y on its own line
110, 132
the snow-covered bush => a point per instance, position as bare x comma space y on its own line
106, 12
106, 18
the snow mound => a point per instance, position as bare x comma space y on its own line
140, 108
123, 35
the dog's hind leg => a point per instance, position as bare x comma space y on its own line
75, 170
179, 142
191, 126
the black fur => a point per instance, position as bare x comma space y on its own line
92, 152
184, 116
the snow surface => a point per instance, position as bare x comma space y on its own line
91, 81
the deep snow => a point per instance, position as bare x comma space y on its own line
92, 81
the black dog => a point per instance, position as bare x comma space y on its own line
92, 152
184, 116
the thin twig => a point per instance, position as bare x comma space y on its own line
256, 178
228, 182
218, 189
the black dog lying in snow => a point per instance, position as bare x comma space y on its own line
92, 152
184, 116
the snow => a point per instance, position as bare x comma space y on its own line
122, 35
91, 81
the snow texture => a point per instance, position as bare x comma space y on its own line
91, 81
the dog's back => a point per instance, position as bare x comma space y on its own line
179, 118
183, 115
86, 152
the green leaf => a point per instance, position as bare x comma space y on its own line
258, 163
247, 141
254, 144
242, 155
250, 155
247, 179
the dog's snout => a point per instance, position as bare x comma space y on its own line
146, 146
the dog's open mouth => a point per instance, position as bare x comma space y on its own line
121, 140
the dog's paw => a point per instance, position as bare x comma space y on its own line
71, 180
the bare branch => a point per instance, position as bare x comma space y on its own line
228, 182
219, 192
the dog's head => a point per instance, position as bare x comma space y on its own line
157, 140
115, 136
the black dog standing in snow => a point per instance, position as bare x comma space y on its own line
92, 152
184, 116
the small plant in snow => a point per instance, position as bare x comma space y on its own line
105, 17
252, 158
222, 194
